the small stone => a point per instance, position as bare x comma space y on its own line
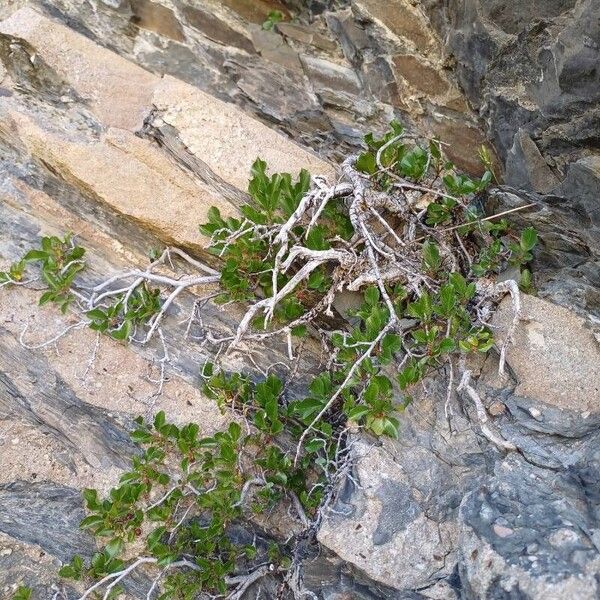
526, 167
502, 531
329, 76
563, 373
402, 20
420, 75
272, 47
157, 18
215, 29
563, 537
497, 408
461, 140
306, 35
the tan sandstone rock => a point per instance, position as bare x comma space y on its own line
118, 92
134, 176
225, 138
553, 355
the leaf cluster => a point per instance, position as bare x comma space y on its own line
191, 475
274, 17
246, 273
410, 161
60, 260
185, 491
126, 313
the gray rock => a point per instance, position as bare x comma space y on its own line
582, 185
207, 43
531, 69
522, 525
41, 520
210, 25
307, 35
439, 513
549, 340
272, 47
45, 514
526, 167
352, 37
529, 533
395, 520
158, 18
566, 259
22, 564
32, 391
336, 85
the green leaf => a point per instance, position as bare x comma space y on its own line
235, 431
463, 289
391, 427
113, 548
431, 256
447, 298
366, 163
526, 281
23, 593
528, 239
316, 240
159, 419
410, 375
421, 308
274, 17
97, 314
372, 296
447, 345
34, 255
391, 342
91, 498
46, 297
485, 180
357, 413
91, 521
435, 149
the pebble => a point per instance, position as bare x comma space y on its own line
497, 408
502, 531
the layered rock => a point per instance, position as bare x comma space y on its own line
73, 157
331, 71
445, 514
326, 74
130, 161
530, 69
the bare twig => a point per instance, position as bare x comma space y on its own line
465, 384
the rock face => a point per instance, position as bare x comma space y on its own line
328, 73
525, 72
70, 160
530, 69
443, 513
131, 160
